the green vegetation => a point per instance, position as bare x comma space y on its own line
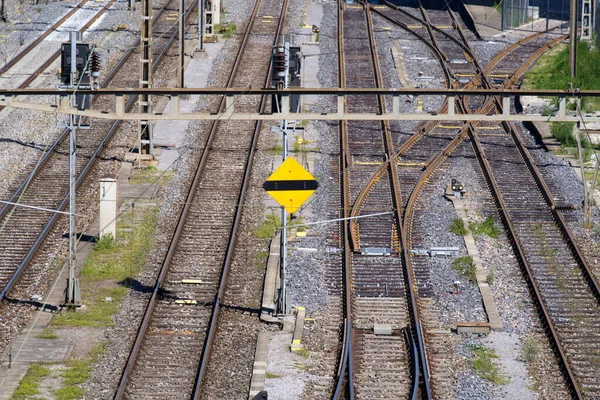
489, 277
226, 30
466, 267
498, 6
483, 363
108, 270
105, 243
48, 333
275, 150
457, 226
30, 383
552, 72
151, 174
267, 229
487, 227
76, 373
530, 350
270, 375
303, 353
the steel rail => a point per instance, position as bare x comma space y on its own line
568, 373
418, 135
44, 35
433, 164
83, 174
420, 363
408, 143
179, 229
244, 91
206, 350
347, 355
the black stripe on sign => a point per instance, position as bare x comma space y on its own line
290, 185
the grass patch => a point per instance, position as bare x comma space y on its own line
267, 229
530, 350
151, 174
108, 270
487, 227
483, 363
303, 353
552, 72
48, 333
226, 30
466, 267
29, 385
105, 243
270, 375
275, 150
457, 226
76, 373
489, 277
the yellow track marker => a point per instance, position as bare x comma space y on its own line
414, 26
192, 281
186, 301
366, 163
449, 126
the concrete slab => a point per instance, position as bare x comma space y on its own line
488, 300
488, 20
259, 369
298, 329
270, 285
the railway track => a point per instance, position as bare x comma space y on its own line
555, 267
171, 351
453, 45
23, 230
378, 366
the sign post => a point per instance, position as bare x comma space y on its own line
290, 185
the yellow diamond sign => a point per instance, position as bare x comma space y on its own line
290, 185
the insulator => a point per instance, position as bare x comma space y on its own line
280, 63
95, 64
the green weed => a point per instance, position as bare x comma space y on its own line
48, 333
489, 277
457, 226
270, 375
530, 350
29, 385
76, 373
267, 229
466, 267
487, 227
303, 353
483, 363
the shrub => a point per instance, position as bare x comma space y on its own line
487, 227
466, 267
483, 363
457, 226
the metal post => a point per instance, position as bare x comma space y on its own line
502, 16
180, 74
201, 25
573, 40
145, 103
547, 15
72, 177
587, 223
283, 306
